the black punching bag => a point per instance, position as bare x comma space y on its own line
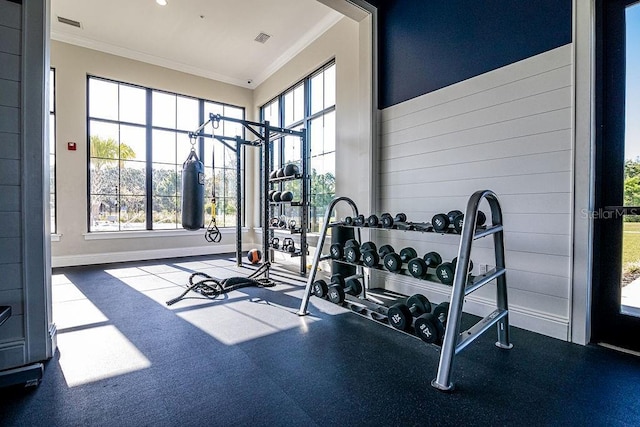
192, 193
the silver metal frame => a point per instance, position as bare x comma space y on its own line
318, 255
454, 340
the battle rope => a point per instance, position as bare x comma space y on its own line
210, 287
213, 235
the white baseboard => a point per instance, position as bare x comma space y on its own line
124, 256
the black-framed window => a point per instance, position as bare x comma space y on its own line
52, 150
138, 139
310, 104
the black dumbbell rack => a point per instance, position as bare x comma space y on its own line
275, 209
454, 340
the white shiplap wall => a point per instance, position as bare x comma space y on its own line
510, 131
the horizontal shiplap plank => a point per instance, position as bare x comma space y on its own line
9, 66
553, 100
10, 40
508, 93
9, 225
9, 145
11, 276
9, 172
9, 198
9, 119
520, 70
9, 93
10, 250
11, 14
422, 169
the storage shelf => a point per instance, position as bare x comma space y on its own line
298, 203
286, 230
481, 230
285, 178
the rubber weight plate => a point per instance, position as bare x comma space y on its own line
455, 262
418, 304
385, 249
432, 259
400, 217
348, 220
452, 215
392, 262
320, 288
428, 328
353, 287
399, 316
373, 221
445, 273
370, 258
408, 253
441, 312
337, 279
368, 246
387, 220
335, 251
417, 267
440, 222
352, 254
336, 294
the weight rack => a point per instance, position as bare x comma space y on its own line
454, 340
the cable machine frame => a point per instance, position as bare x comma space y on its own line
265, 134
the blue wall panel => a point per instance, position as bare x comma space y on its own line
427, 45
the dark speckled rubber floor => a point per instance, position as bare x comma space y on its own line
247, 358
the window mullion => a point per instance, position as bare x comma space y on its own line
149, 160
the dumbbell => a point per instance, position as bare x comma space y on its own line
387, 250
400, 315
373, 221
352, 251
369, 252
393, 262
418, 266
320, 287
441, 222
430, 326
359, 221
388, 220
336, 251
348, 220
459, 221
446, 271
337, 292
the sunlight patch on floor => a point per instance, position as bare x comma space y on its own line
245, 320
94, 354
71, 308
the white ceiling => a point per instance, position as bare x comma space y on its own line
209, 38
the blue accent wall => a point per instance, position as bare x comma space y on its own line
425, 45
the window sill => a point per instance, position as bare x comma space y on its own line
144, 234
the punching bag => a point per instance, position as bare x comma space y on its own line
192, 193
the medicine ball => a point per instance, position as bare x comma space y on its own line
291, 169
254, 256
276, 196
280, 172
273, 174
270, 195
286, 196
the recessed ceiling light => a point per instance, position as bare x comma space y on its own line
162, 2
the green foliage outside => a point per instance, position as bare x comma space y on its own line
631, 234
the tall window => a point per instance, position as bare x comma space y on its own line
52, 149
309, 104
138, 140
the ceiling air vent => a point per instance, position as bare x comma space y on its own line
262, 38
69, 22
